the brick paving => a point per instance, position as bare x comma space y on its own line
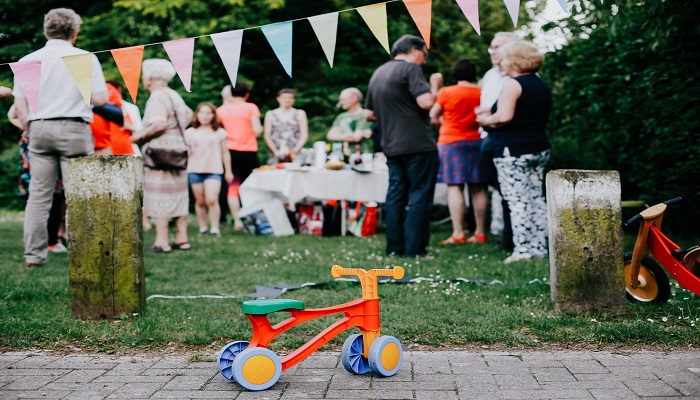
439, 375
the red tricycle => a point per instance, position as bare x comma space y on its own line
255, 367
645, 280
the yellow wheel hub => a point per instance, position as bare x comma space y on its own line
390, 356
648, 289
258, 369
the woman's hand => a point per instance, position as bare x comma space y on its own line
228, 176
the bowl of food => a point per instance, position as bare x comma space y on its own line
335, 165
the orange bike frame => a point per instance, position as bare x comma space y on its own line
362, 313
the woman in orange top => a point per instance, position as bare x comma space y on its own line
459, 146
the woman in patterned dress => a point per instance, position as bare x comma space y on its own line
286, 128
517, 128
165, 118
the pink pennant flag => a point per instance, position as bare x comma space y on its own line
513, 7
181, 53
228, 45
470, 8
28, 76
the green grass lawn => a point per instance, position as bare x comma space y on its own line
35, 305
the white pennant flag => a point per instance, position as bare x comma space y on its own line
228, 44
326, 28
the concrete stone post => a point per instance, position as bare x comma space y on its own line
585, 240
105, 254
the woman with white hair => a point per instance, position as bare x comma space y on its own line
516, 125
165, 118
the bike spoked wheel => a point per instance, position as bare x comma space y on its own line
654, 286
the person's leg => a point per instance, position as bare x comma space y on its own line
44, 168
422, 171
162, 240
480, 204
200, 204
54, 222
537, 206
211, 197
395, 206
510, 177
457, 207
181, 238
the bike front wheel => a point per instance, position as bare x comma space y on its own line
256, 368
385, 356
654, 287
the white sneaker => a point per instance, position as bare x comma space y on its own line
517, 257
58, 248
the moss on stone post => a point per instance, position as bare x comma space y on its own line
585, 240
105, 254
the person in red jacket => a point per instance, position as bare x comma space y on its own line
102, 129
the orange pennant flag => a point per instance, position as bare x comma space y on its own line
421, 11
128, 61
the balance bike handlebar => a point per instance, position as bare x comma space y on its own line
337, 271
639, 216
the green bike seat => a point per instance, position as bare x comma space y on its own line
258, 307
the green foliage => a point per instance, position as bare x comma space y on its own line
626, 97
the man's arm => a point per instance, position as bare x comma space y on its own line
427, 100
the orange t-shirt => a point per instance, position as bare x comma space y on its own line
121, 138
459, 120
236, 120
101, 128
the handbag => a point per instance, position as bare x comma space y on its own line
166, 159
362, 218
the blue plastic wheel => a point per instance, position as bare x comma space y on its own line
257, 368
385, 356
351, 355
228, 353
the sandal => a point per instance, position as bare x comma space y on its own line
477, 238
453, 240
159, 249
181, 246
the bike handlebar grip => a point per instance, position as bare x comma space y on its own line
337, 271
396, 272
632, 220
674, 200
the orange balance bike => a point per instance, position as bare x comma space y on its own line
645, 280
255, 367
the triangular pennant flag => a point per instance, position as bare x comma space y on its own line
562, 3
28, 75
470, 8
421, 11
326, 28
513, 7
181, 52
280, 37
228, 45
128, 62
375, 17
80, 68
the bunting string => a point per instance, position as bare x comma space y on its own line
228, 45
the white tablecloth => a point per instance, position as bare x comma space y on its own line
322, 184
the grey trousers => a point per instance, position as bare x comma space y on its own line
51, 144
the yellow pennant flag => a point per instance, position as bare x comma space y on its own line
375, 17
80, 68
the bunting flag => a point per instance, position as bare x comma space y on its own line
470, 8
280, 37
421, 12
562, 3
181, 53
128, 62
80, 68
28, 75
326, 28
513, 7
228, 45
375, 17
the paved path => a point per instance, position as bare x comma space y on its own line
442, 375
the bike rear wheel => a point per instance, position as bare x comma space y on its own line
654, 287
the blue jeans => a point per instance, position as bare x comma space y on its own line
409, 198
